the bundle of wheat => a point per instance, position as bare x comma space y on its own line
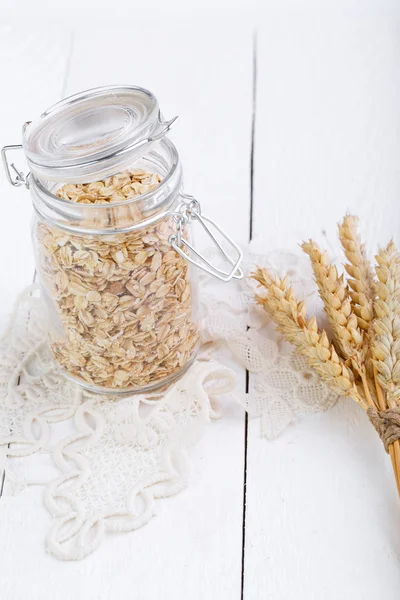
362, 361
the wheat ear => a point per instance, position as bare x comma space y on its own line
362, 282
290, 317
386, 342
337, 304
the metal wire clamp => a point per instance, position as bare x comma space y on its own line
19, 178
190, 210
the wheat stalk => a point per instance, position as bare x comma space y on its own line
386, 342
385, 345
337, 304
290, 317
359, 268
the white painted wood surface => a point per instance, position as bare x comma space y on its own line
195, 545
33, 71
322, 519
327, 141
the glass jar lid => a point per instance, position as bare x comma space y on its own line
93, 134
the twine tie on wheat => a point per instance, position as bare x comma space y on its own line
387, 424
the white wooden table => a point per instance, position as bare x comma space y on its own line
279, 135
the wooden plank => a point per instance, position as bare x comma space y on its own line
199, 82
207, 85
322, 512
33, 67
193, 549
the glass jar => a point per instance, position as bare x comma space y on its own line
111, 237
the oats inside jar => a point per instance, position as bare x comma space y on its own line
123, 301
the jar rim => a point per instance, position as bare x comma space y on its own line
38, 183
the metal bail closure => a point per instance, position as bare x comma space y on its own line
19, 178
190, 210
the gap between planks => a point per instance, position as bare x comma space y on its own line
246, 420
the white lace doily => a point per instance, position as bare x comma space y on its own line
123, 454
281, 383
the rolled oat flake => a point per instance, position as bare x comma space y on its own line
112, 239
